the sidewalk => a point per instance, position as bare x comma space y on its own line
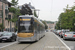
54, 43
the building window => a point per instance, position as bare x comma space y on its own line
6, 7
9, 16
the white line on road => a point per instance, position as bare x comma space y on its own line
62, 42
8, 45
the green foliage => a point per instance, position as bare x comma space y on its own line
12, 9
57, 25
67, 19
16, 13
15, 10
14, 2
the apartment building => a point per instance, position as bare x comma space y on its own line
4, 5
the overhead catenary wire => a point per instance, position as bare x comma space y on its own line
32, 3
34, 7
51, 7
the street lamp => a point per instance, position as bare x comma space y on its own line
35, 10
38, 11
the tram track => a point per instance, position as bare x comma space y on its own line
27, 46
18, 46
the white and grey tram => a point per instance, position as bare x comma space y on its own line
30, 28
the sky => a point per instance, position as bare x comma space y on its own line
49, 9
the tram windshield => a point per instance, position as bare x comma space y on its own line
25, 26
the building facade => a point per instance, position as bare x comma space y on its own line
50, 25
4, 5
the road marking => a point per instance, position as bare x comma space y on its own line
8, 45
62, 42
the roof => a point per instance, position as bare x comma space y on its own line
5, 1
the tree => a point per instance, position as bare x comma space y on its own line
14, 2
16, 12
67, 19
26, 10
57, 26
12, 9
1, 27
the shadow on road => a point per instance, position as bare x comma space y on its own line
5, 42
69, 40
26, 42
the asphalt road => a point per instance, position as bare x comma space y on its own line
70, 43
3, 44
48, 42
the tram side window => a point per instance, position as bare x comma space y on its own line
38, 28
35, 25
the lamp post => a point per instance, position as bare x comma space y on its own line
35, 10
38, 11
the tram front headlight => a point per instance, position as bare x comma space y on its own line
32, 34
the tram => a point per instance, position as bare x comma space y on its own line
30, 28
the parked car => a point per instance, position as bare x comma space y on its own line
69, 35
58, 32
46, 30
16, 32
62, 33
54, 31
8, 36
